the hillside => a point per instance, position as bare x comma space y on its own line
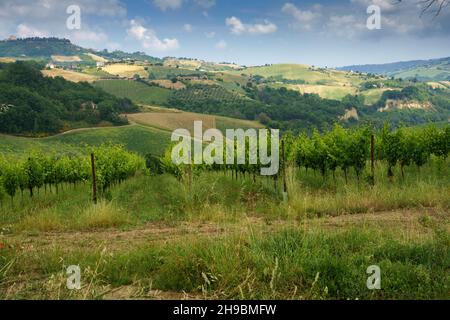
305, 74
422, 70
39, 48
136, 91
32, 104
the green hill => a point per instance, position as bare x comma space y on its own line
422, 70
31, 104
307, 74
136, 138
136, 91
39, 47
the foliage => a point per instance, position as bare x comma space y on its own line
34, 104
113, 165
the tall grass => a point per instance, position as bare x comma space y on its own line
290, 264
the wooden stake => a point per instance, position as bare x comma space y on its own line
372, 157
190, 174
285, 190
94, 180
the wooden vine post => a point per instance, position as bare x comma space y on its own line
189, 168
372, 158
94, 179
285, 189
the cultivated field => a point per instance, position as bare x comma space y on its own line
326, 92
138, 92
170, 121
97, 58
66, 58
125, 70
70, 75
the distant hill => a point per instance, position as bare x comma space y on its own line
422, 70
49, 48
39, 47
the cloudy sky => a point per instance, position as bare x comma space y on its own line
318, 32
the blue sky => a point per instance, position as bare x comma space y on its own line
323, 33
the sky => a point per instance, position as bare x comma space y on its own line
328, 33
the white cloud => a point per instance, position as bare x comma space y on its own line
188, 27
53, 9
221, 45
206, 4
210, 35
149, 40
164, 5
304, 19
25, 31
385, 5
237, 27
88, 36
345, 26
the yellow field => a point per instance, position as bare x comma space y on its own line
437, 85
69, 75
326, 92
446, 83
97, 58
188, 64
125, 70
66, 58
7, 60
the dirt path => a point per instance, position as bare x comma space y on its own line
405, 221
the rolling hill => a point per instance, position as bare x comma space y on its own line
149, 133
422, 70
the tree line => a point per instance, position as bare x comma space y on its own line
37, 105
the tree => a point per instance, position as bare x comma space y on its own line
436, 5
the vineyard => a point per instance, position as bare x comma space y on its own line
112, 164
199, 97
202, 231
340, 149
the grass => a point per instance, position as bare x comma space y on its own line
372, 96
325, 92
290, 264
155, 238
140, 139
138, 92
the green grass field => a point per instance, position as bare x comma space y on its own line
437, 73
135, 138
137, 92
